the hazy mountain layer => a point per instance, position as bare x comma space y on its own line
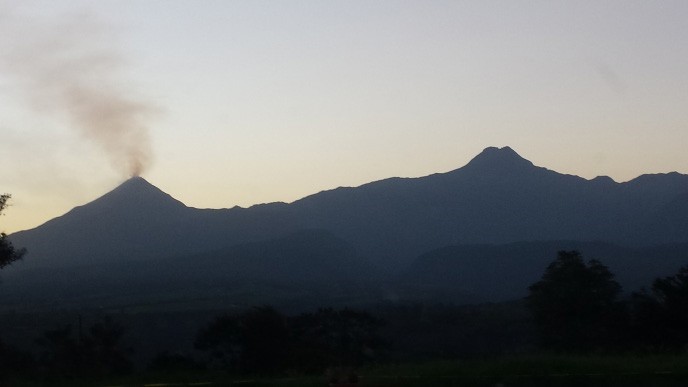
300, 267
492, 273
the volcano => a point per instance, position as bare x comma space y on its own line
137, 221
129, 222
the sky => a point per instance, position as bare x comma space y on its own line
225, 103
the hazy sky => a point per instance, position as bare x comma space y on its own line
224, 103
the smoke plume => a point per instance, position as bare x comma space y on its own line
74, 69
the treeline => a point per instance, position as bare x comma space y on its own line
262, 340
576, 306
259, 340
68, 352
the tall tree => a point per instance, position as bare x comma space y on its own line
575, 305
8, 253
661, 315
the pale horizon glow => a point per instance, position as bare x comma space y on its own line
262, 101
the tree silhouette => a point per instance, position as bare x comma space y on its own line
98, 352
222, 340
61, 352
265, 340
575, 305
254, 341
11, 359
104, 346
261, 340
13, 362
8, 253
661, 316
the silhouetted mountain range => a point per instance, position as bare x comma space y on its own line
497, 198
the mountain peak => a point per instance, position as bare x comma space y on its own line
136, 183
493, 159
135, 193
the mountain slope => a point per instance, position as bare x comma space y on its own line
498, 197
137, 221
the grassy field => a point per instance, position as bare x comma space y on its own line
542, 370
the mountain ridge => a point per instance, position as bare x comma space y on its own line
445, 237
497, 197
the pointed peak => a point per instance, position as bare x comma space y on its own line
496, 159
136, 192
135, 187
135, 182
137, 179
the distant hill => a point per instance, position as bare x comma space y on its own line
304, 266
493, 273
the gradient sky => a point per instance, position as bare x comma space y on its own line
257, 101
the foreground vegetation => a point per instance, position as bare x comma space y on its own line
522, 370
575, 315
528, 370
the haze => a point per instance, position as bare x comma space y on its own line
260, 101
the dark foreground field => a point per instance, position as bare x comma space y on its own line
541, 370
